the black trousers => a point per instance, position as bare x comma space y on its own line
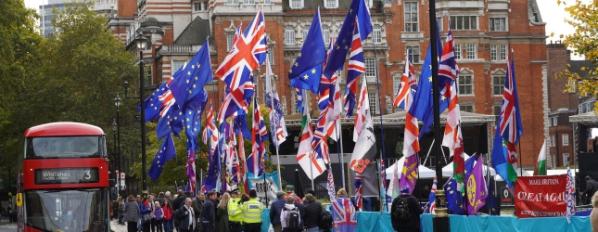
252, 227
131, 226
234, 226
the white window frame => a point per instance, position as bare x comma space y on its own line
326, 34
330, 4
464, 22
566, 159
296, 4
471, 50
565, 139
553, 141
377, 34
371, 69
230, 36
458, 51
498, 52
495, 21
396, 83
463, 106
408, 16
289, 36
175, 65
500, 86
412, 54
373, 101
462, 76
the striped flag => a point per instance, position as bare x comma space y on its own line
355, 68
312, 165
259, 134
431, 205
405, 93
358, 190
570, 195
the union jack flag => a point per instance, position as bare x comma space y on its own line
344, 215
405, 94
330, 185
511, 126
210, 133
247, 53
356, 68
363, 112
358, 191
259, 134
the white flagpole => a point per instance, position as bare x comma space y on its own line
269, 82
306, 107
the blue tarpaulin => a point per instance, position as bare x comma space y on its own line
380, 222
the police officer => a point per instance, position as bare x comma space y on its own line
235, 216
252, 213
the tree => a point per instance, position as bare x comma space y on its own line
19, 52
584, 19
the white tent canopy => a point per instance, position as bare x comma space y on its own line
424, 172
447, 171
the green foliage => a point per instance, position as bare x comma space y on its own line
584, 19
73, 76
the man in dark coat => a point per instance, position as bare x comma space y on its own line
208, 215
186, 217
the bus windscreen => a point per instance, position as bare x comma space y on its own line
64, 147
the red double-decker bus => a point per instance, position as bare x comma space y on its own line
64, 181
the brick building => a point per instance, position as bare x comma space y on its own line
483, 32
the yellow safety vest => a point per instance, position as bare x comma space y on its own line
234, 210
252, 211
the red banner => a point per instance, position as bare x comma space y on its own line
540, 196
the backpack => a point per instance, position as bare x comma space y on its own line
401, 211
326, 220
293, 220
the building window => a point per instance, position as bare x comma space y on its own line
498, 82
466, 107
552, 141
230, 35
231, 2
271, 54
176, 65
457, 51
470, 51
373, 100
371, 69
464, 22
554, 121
197, 6
330, 3
249, 2
289, 36
296, 4
497, 24
411, 17
496, 109
294, 102
396, 83
326, 33
465, 83
413, 52
565, 139
377, 34
566, 159
498, 52
439, 24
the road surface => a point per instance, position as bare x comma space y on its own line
13, 227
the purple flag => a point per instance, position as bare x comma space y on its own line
476, 187
409, 173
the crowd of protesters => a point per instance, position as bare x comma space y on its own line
235, 212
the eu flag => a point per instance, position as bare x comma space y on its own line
360, 14
189, 81
307, 69
422, 107
153, 105
166, 152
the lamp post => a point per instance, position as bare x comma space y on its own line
142, 43
441, 220
117, 102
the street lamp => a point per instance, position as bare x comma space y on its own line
142, 43
117, 102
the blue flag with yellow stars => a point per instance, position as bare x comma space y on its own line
307, 69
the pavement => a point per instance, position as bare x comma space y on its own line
12, 227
